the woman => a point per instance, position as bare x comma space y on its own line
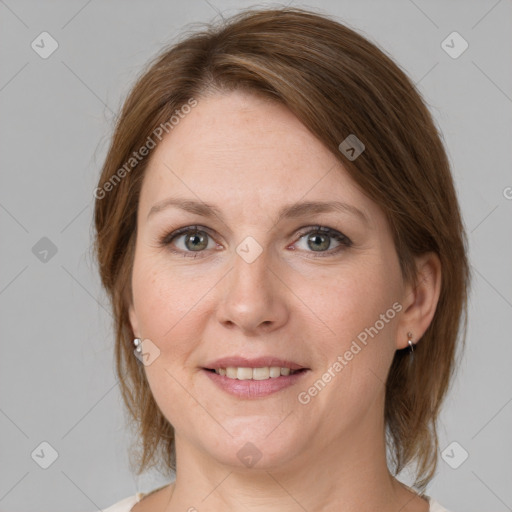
279, 234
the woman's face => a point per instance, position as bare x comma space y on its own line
265, 276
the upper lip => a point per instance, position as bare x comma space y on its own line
257, 362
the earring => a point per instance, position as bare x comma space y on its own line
137, 344
411, 344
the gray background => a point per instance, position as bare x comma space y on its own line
56, 367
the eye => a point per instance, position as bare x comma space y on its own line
191, 239
319, 240
196, 239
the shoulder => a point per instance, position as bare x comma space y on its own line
152, 498
435, 506
125, 505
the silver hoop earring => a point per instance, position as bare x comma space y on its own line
411, 344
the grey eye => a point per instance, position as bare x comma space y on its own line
318, 241
196, 240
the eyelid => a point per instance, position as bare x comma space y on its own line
344, 241
174, 233
326, 230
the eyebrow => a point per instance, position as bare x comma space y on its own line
290, 211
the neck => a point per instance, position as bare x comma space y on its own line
348, 475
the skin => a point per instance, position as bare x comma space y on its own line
249, 157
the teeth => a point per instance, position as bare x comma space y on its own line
275, 371
267, 372
231, 372
260, 373
244, 373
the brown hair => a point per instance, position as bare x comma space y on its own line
337, 83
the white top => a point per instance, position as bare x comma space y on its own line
126, 504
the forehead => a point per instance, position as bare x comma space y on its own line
243, 146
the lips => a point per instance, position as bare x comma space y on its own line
259, 377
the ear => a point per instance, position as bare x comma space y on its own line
420, 299
133, 321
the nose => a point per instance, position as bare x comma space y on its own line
253, 298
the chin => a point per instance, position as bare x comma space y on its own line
255, 448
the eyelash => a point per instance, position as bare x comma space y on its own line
165, 241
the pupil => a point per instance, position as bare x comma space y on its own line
196, 241
318, 242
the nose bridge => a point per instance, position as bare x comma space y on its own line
251, 266
252, 296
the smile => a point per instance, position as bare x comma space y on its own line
251, 383
263, 373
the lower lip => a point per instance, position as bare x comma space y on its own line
254, 388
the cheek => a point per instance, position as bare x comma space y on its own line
359, 312
356, 354
164, 298
164, 304
351, 299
